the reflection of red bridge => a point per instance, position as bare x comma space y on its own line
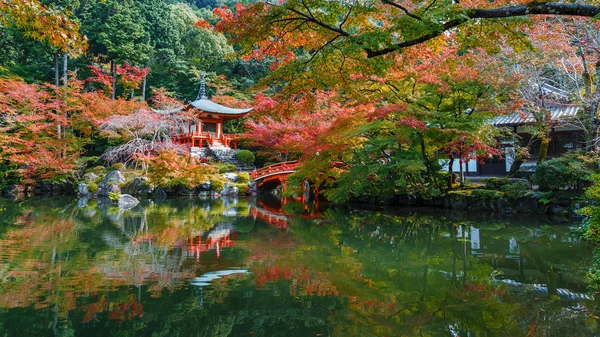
278, 217
274, 173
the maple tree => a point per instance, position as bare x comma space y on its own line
28, 129
44, 24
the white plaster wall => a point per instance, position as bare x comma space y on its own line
470, 166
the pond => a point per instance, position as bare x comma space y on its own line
247, 267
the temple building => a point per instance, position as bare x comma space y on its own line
208, 131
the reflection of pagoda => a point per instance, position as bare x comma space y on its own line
220, 237
207, 130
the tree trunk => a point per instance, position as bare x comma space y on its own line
113, 68
450, 173
65, 69
144, 89
462, 176
515, 166
132, 93
56, 71
543, 149
57, 85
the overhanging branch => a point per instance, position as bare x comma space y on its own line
550, 8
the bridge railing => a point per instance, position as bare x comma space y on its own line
279, 167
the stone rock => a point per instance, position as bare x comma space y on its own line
14, 192
113, 177
90, 176
82, 202
127, 201
205, 186
138, 186
252, 188
82, 189
231, 176
113, 189
160, 193
204, 195
43, 188
557, 210
456, 201
181, 190
110, 183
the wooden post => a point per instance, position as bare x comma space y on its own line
197, 129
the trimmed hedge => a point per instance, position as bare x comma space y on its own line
245, 157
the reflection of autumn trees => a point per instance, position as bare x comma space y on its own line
357, 273
54, 253
417, 275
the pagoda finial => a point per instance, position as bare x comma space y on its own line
202, 93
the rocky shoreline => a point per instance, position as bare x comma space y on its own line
126, 192
529, 203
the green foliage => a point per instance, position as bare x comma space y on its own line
243, 177
226, 168
486, 194
118, 167
9, 174
293, 184
115, 30
242, 187
589, 229
217, 184
245, 157
98, 170
496, 183
560, 173
114, 196
515, 189
92, 188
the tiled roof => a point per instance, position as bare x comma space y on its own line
515, 119
210, 106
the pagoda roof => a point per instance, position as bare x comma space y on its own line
212, 107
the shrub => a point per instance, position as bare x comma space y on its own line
225, 168
243, 177
114, 196
92, 188
217, 184
496, 183
245, 157
9, 174
560, 172
515, 189
243, 188
171, 169
118, 167
486, 194
98, 170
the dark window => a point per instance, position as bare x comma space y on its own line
210, 127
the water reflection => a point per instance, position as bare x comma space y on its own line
268, 268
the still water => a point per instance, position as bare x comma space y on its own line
246, 267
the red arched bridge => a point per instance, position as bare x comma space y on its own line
276, 173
